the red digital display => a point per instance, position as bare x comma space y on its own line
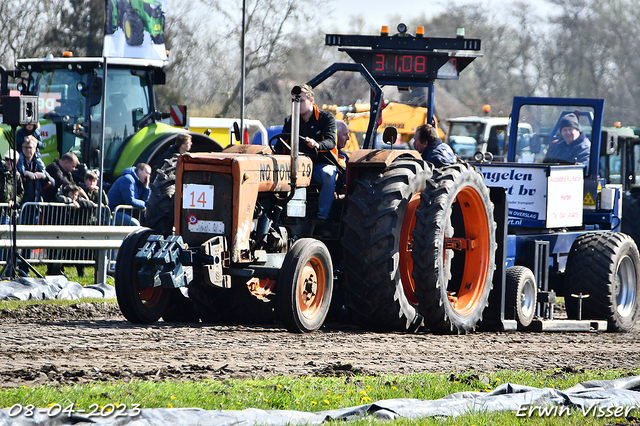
405, 65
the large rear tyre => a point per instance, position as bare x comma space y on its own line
454, 244
606, 266
140, 305
379, 288
305, 286
521, 295
235, 305
133, 29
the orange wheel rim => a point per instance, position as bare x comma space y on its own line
311, 288
150, 296
406, 246
477, 256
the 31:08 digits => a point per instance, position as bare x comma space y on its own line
400, 63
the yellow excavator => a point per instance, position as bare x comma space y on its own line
404, 117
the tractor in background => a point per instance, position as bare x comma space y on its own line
70, 100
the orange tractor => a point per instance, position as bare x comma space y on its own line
246, 250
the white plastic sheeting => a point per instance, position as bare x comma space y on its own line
602, 398
52, 287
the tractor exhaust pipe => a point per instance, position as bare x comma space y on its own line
295, 135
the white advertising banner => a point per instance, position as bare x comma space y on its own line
134, 29
526, 192
565, 193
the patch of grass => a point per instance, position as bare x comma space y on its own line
72, 274
20, 304
313, 394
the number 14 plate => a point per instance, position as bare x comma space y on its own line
199, 197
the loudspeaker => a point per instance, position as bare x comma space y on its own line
20, 110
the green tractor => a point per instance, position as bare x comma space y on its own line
135, 17
69, 91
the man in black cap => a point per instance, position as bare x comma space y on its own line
575, 146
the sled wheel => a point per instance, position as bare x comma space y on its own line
305, 286
379, 289
133, 30
606, 266
453, 273
138, 305
522, 294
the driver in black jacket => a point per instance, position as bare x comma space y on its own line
318, 129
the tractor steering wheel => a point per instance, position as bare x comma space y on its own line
282, 137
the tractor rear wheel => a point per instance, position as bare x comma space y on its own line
521, 297
606, 266
108, 26
140, 305
133, 29
305, 286
379, 288
454, 244
235, 305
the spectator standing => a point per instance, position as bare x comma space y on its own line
29, 130
132, 188
35, 179
61, 171
181, 145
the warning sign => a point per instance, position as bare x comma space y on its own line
588, 200
178, 115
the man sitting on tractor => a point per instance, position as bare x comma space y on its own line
433, 150
318, 131
575, 147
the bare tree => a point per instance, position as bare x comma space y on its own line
20, 35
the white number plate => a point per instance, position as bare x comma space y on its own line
199, 197
207, 227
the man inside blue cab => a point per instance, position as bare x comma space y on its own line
574, 148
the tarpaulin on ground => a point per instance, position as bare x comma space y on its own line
602, 398
52, 287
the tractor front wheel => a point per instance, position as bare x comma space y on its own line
305, 286
140, 305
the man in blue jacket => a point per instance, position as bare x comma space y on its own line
433, 150
575, 146
132, 188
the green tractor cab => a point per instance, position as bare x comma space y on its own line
70, 105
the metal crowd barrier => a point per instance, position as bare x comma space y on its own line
59, 234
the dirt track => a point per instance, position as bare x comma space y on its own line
85, 343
